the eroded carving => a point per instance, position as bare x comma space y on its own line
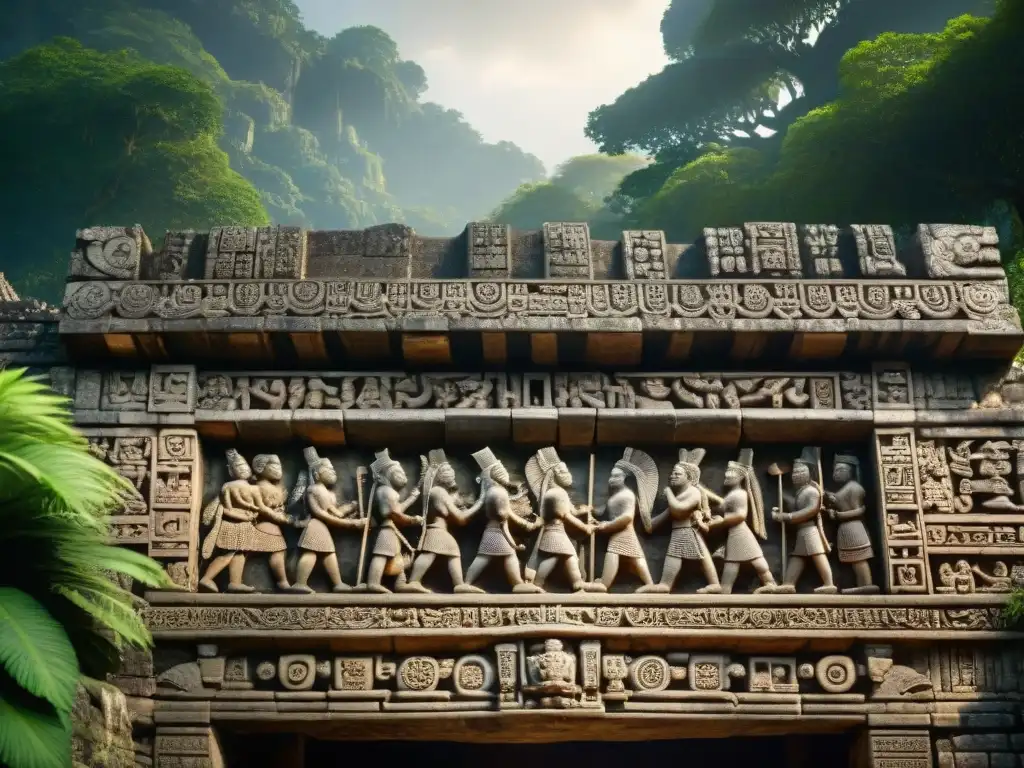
848, 507
876, 251
622, 509
822, 244
392, 552
489, 249
643, 255
959, 250
567, 251
807, 507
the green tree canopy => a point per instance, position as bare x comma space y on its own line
733, 59
92, 137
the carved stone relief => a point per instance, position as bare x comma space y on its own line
567, 251
419, 533
957, 250
898, 474
489, 248
822, 244
876, 251
983, 302
113, 253
774, 249
643, 254
250, 253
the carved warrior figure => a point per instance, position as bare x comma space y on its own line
388, 558
549, 479
847, 506
742, 500
690, 511
442, 505
621, 510
325, 512
811, 543
497, 542
268, 537
231, 516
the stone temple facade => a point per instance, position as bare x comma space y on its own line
527, 487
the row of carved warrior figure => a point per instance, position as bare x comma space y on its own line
248, 516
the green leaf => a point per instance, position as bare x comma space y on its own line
35, 650
32, 739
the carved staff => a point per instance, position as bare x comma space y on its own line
590, 518
776, 471
364, 513
821, 502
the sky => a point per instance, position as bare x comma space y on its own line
528, 71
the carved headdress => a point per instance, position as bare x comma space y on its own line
745, 466
382, 464
486, 460
539, 468
810, 458
237, 462
851, 461
430, 465
645, 472
315, 463
690, 461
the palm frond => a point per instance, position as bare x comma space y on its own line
35, 650
32, 733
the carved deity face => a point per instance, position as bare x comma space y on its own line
562, 475
272, 471
801, 475
842, 473
397, 477
733, 477
326, 474
446, 475
679, 478
616, 479
240, 471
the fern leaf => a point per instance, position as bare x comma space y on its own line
35, 650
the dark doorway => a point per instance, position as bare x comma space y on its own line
808, 751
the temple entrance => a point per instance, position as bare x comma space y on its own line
794, 751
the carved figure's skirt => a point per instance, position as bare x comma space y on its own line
387, 543
808, 541
493, 543
235, 537
741, 546
625, 543
440, 542
267, 537
853, 542
317, 538
555, 541
686, 543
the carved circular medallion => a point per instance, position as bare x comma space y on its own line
120, 257
247, 298
980, 298
137, 300
307, 296
266, 671
473, 674
836, 674
419, 673
650, 673
89, 301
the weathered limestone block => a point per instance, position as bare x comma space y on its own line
567, 251
109, 253
876, 251
959, 250
102, 728
643, 254
489, 251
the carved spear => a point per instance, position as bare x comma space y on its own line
364, 513
777, 471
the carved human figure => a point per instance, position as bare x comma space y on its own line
847, 506
550, 479
442, 506
742, 500
810, 543
689, 510
621, 510
325, 512
388, 480
497, 542
267, 536
231, 517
